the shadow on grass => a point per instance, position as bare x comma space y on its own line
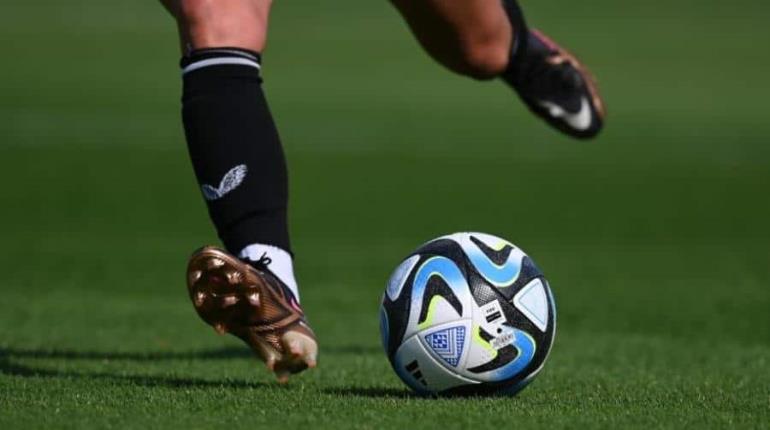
210, 354
372, 392
8, 367
406, 394
229, 352
352, 349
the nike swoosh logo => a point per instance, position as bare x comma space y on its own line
579, 121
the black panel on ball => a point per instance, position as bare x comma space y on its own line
398, 311
483, 293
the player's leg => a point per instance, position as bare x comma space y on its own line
469, 37
211, 24
239, 163
485, 39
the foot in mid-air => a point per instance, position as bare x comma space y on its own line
556, 86
482, 40
246, 299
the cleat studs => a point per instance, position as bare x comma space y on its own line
214, 263
229, 301
253, 298
194, 277
233, 277
200, 299
228, 296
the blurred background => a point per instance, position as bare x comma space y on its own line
654, 237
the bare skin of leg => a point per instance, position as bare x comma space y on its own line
221, 23
469, 37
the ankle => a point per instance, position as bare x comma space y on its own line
280, 263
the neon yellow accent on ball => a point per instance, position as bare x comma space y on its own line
431, 313
481, 342
500, 245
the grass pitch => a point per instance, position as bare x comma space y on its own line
654, 237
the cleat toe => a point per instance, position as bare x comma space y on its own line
200, 299
270, 363
220, 328
311, 360
295, 348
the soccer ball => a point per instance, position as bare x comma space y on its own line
467, 313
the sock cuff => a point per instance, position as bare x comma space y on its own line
254, 251
280, 264
208, 57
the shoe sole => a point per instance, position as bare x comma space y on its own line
233, 297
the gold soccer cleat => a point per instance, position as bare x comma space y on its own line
251, 303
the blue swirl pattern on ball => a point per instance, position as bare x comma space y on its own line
467, 313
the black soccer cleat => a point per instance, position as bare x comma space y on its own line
557, 87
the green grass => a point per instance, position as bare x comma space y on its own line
654, 237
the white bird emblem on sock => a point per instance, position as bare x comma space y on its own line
230, 181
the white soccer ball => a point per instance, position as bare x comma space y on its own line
468, 313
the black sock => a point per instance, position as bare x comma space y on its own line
234, 147
520, 32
